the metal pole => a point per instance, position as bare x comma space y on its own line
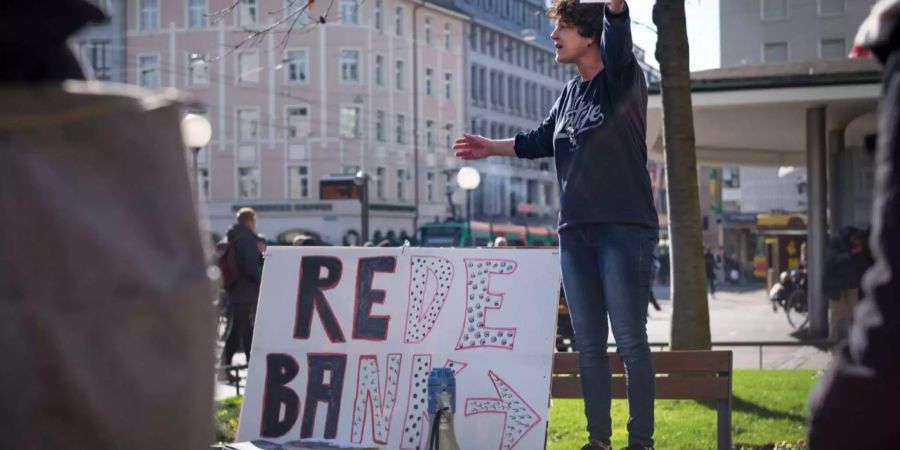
364, 199
469, 217
817, 174
197, 194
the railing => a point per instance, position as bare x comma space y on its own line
760, 345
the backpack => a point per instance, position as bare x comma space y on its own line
227, 262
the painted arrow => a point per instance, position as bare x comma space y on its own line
520, 416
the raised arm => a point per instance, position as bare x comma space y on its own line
617, 46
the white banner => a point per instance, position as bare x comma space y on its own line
345, 339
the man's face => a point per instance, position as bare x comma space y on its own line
570, 46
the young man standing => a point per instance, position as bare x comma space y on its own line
608, 226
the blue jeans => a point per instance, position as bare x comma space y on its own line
606, 270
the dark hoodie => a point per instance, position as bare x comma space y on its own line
597, 131
249, 260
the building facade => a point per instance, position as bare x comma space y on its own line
798, 31
333, 89
770, 31
101, 49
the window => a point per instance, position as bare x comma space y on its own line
832, 7
401, 184
297, 66
731, 177
204, 182
832, 49
448, 85
429, 81
248, 124
298, 182
350, 66
99, 59
380, 173
429, 186
380, 126
246, 13
474, 77
349, 12
429, 133
401, 129
398, 75
297, 122
248, 182
379, 70
775, 52
399, 21
248, 67
294, 7
428, 30
447, 36
379, 17
198, 69
350, 122
774, 9
149, 15
197, 14
148, 71
449, 135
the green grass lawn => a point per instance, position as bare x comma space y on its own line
769, 407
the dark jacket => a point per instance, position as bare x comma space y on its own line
843, 268
855, 404
249, 260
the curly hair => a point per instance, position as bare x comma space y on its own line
587, 18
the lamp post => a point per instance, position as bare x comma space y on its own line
468, 178
195, 133
362, 182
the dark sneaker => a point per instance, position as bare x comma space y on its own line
595, 446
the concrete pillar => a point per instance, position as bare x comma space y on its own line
837, 182
817, 238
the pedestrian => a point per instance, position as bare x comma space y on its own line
243, 294
710, 265
664, 265
855, 403
500, 241
608, 225
847, 260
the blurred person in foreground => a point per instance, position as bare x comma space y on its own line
608, 226
107, 324
855, 404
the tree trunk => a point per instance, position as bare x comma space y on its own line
690, 315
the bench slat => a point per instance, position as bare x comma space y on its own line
671, 362
666, 388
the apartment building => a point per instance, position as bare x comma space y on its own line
335, 88
101, 48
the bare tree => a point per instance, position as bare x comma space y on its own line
690, 315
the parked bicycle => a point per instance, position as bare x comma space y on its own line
790, 294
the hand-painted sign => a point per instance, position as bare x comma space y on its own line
345, 339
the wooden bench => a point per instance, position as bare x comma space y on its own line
680, 375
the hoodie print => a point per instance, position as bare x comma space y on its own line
583, 115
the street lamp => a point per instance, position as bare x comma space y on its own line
195, 133
362, 182
468, 178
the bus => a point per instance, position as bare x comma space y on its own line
481, 234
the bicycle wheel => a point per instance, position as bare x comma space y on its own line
796, 310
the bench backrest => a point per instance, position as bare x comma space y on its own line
697, 375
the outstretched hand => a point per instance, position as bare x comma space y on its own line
472, 146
